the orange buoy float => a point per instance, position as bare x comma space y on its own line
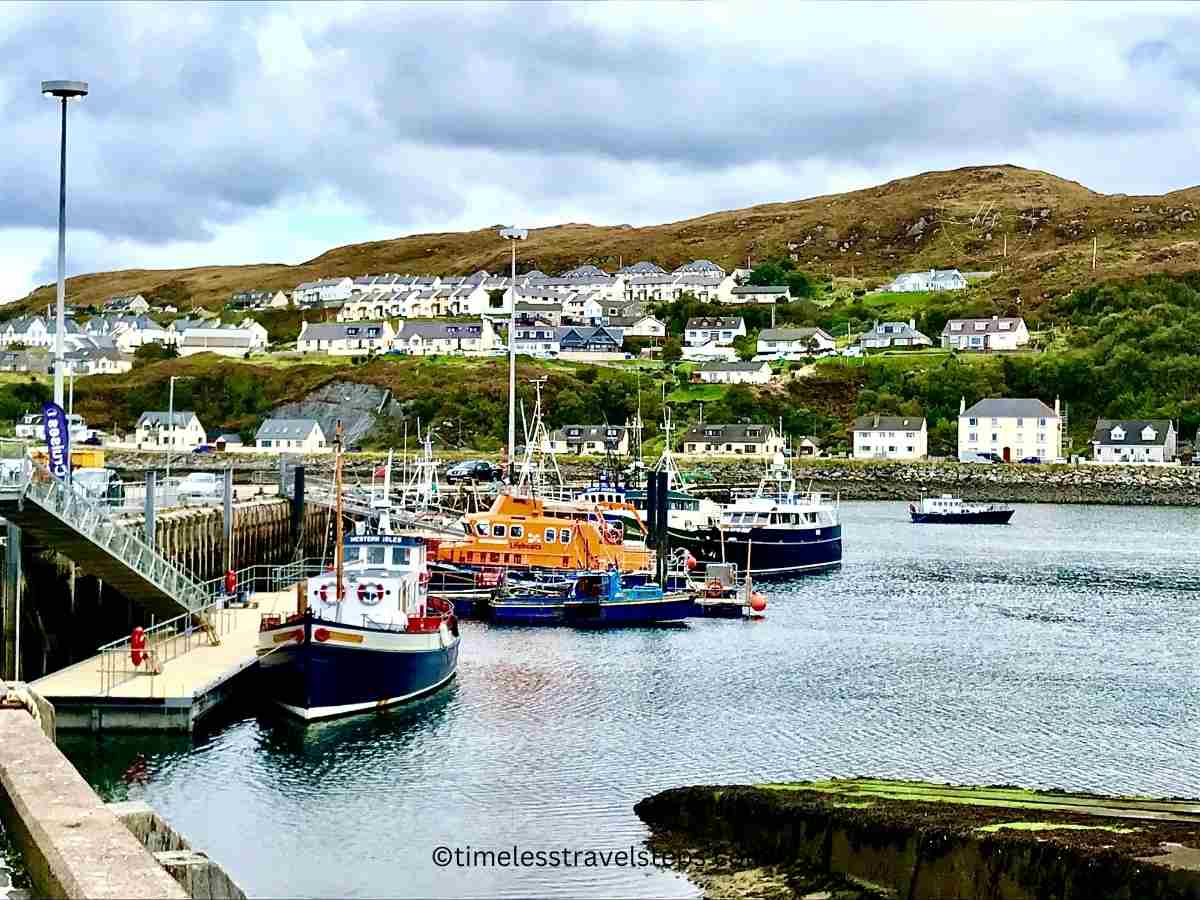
758, 602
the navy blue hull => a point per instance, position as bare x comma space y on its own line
982, 517
554, 611
772, 551
319, 680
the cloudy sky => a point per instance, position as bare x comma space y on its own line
271, 132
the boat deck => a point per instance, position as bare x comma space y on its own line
190, 685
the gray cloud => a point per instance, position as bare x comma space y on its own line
202, 116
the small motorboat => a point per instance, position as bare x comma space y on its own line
950, 510
591, 600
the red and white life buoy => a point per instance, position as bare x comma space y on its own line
137, 646
612, 534
370, 594
325, 594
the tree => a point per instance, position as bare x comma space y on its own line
768, 273
672, 350
148, 353
746, 345
800, 285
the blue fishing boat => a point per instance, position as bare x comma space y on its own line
592, 600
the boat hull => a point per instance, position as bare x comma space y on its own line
978, 517
771, 552
355, 670
584, 614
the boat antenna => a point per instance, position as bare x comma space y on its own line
339, 552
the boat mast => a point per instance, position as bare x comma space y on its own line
339, 552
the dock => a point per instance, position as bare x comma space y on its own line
196, 677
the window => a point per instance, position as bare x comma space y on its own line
399, 556
995, 437
1020, 422
972, 422
551, 534
564, 535
517, 531
1041, 437
498, 530
1042, 422
995, 421
376, 556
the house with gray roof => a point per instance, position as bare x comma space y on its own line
438, 338
245, 300
550, 313
345, 338
638, 326
127, 303
759, 293
995, 333
794, 341
179, 430
933, 280
894, 334
723, 372
890, 437
701, 266
1009, 430
753, 441
323, 291
642, 268
1134, 441
590, 339
290, 436
589, 440
721, 331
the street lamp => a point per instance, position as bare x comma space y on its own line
63, 91
170, 429
513, 235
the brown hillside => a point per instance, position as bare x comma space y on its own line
957, 218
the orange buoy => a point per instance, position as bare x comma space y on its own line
758, 602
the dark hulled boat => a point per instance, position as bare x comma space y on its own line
947, 510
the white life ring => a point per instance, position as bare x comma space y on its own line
370, 594
323, 593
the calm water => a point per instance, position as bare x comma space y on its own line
1061, 651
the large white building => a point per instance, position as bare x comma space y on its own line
755, 441
996, 333
291, 435
181, 430
722, 331
1136, 441
345, 338
1010, 429
890, 437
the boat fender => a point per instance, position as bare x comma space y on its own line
230, 582
137, 646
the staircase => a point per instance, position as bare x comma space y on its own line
61, 519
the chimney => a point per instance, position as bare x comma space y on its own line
912, 324
876, 420
995, 318
1056, 405
962, 405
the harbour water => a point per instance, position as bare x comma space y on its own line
1062, 650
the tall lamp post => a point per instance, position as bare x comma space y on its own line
64, 92
512, 235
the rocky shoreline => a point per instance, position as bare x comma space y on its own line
851, 480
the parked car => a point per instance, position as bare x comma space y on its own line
200, 487
472, 471
1032, 460
94, 441
203, 448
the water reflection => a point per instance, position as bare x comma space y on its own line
1057, 652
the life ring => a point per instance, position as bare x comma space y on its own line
323, 593
612, 534
713, 588
370, 595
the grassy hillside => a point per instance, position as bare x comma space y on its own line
958, 218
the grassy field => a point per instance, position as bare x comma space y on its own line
693, 393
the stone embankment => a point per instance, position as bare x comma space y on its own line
914, 841
852, 480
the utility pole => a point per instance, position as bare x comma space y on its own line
1004, 262
1095, 243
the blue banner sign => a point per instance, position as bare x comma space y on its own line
58, 440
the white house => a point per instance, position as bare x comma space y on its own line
258, 300
129, 332
445, 338
1138, 441
589, 440
537, 338
324, 290
294, 435
639, 326
894, 334
583, 308
753, 293
98, 361
722, 331
182, 430
551, 313
709, 352
996, 333
344, 338
227, 341
794, 341
28, 330
890, 437
933, 280
1012, 429
717, 372
755, 441
127, 303
258, 333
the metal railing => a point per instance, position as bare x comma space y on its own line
123, 543
165, 641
